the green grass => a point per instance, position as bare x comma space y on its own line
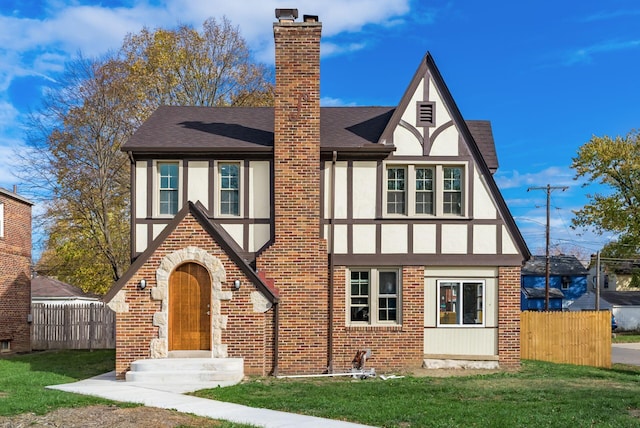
539, 395
23, 379
626, 337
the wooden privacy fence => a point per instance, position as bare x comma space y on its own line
582, 338
73, 327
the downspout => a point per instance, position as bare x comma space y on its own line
331, 251
276, 336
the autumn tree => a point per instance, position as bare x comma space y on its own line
614, 164
75, 156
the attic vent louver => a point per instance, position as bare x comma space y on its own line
426, 113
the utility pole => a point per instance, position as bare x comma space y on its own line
548, 189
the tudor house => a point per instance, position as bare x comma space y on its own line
293, 236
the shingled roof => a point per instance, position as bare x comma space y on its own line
189, 129
558, 265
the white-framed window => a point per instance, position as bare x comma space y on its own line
460, 302
168, 187
452, 190
229, 188
1, 220
5, 346
374, 296
396, 190
425, 189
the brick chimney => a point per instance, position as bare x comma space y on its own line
297, 260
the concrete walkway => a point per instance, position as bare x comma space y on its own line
106, 386
626, 353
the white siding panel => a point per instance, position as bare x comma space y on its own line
508, 246
454, 239
483, 205
236, 232
259, 188
442, 114
364, 189
446, 144
259, 234
406, 143
198, 182
141, 190
141, 237
484, 239
364, 239
394, 238
461, 341
341, 238
341, 190
424, 238
157, 228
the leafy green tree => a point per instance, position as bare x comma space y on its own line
615, 164
75, 159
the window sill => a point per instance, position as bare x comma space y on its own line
372, 327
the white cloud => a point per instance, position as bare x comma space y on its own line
555, 175
586, 54
335, 102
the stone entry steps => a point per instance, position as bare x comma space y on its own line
186, 374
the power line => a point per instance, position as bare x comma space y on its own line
549, 188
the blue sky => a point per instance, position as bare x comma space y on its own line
548, 74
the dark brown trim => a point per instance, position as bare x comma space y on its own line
350, 189
245, 188
380, 180
438, 238
151, 173
429, 260
410, 238
132, 213
185, 181
470, 189
414, 131
436, 132
212, 177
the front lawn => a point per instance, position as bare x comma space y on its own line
539, 395
23, 379
626, 337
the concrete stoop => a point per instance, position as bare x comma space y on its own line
186, 374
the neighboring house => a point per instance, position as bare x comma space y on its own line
51, 291
293, 237
15, 272
614, 275
625, 306
567, 282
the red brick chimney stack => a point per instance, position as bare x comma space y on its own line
297, 260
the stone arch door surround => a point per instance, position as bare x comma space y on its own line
160, 346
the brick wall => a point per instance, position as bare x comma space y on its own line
392, 348
247, 334
509, 316
297, 260
15, 274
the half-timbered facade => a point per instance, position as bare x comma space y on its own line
322, 231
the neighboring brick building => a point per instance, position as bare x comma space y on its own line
295, 236
15, 272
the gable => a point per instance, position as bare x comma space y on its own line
439, 134
190, 218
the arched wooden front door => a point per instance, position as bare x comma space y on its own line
189, 308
